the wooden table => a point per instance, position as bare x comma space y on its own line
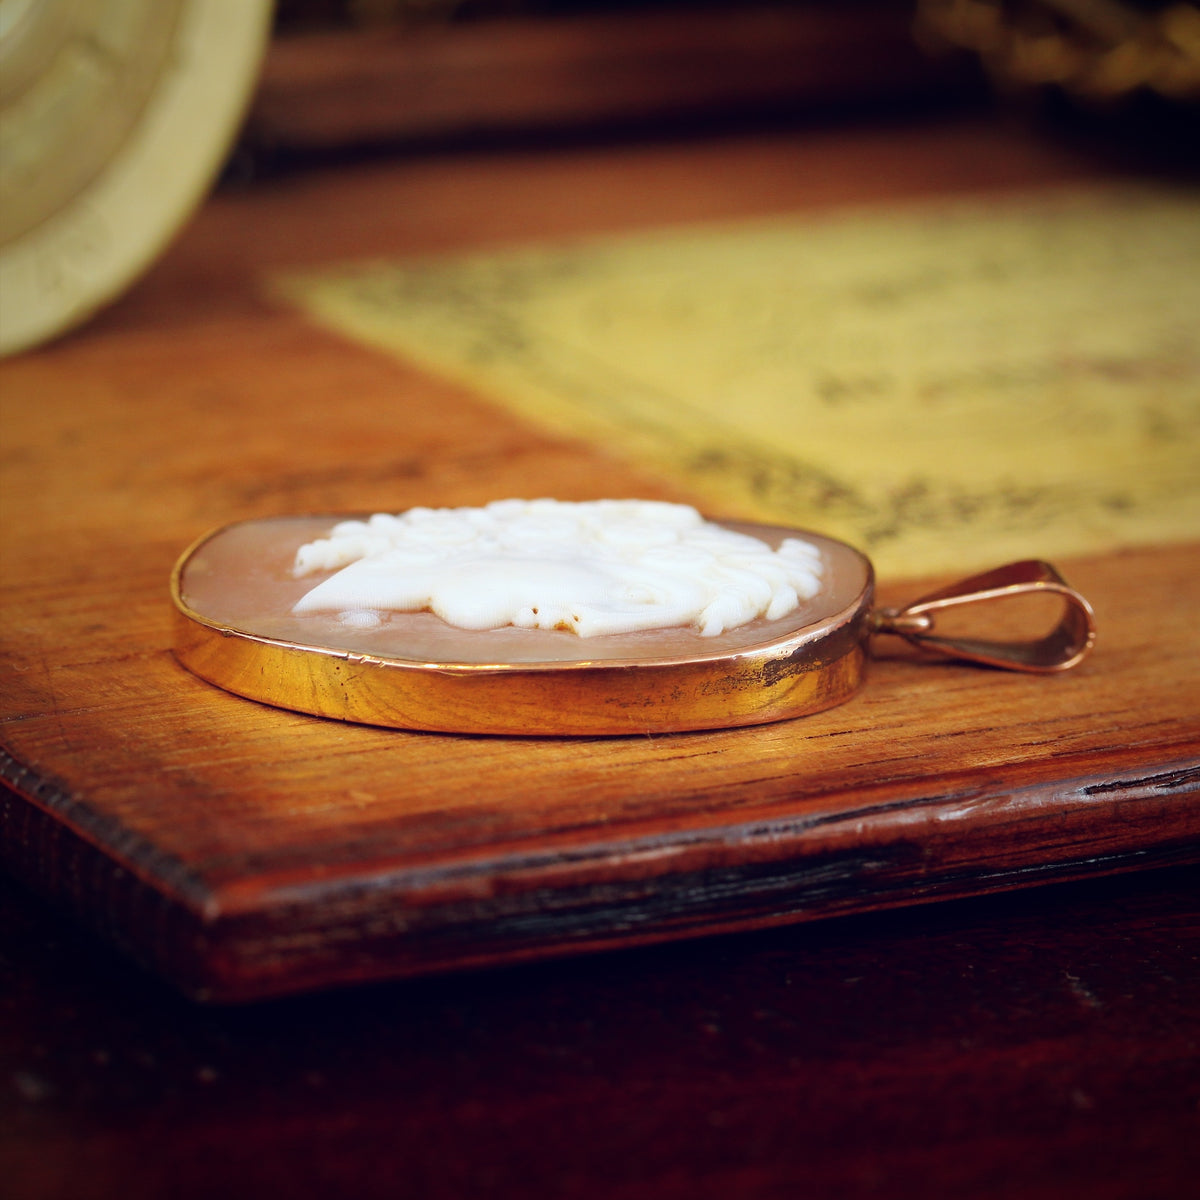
1034, 1044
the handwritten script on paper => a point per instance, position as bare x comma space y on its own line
944, 385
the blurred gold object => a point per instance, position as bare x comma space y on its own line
115, 116
1100, 49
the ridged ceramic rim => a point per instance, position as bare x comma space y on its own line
90, 247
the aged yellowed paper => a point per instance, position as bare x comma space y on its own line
944, 385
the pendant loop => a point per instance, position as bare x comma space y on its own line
1067, 644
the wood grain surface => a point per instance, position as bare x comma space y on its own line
244, 851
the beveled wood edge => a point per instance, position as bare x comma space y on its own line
101, 874
126, 850
273, 940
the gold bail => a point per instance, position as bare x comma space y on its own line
1065, 645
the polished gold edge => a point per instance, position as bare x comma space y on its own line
805, 672
769, 684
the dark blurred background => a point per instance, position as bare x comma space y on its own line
351, 75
